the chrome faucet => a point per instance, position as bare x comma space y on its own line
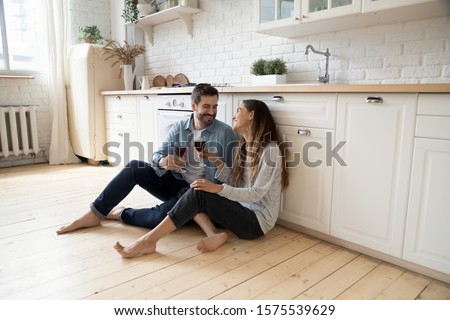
326, 77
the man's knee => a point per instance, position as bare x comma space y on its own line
135, 164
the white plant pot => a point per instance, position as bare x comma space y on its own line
269, 79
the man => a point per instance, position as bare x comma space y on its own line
164, 177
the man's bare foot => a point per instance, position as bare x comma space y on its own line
115, 213
139, 247
88, 220
210, 244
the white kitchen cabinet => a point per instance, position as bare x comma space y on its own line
427, 236
377, 5
272, 14
147, 125
306, 17
313, 10
307, 200
370, 192
306, 122
121, 129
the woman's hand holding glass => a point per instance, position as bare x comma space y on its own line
206, 185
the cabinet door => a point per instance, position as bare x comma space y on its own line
313, 10
377, 5
121, 129
276, 13
370, 192
427, 237
147, 125
307, 200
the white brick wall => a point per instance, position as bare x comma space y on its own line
224, 45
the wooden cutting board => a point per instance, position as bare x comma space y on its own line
159, 81
169, 80
180, 79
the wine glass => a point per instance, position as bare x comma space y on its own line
180, 150
199, 145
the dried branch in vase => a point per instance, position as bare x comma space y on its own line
125, 54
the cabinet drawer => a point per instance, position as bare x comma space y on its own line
298, 109
121, 104
434, 104
433, 127
122, 121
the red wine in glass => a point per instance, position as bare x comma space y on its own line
199, 145
180, 150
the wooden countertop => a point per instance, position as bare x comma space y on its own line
330, 88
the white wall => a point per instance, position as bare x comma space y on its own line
224, 45
35, 91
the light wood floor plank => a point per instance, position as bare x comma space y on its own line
407, 287
341, 280
373, 284
308, 277
436, 290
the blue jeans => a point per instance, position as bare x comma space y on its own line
224, 212
165, 188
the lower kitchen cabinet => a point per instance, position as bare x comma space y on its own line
121, 128
305, 121
147, 126
307, 199
130, 128
370, 192
427, 236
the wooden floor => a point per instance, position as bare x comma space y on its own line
35, 263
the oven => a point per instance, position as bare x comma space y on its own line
169, 110
173, 108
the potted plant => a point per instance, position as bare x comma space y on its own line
126, 55
268, 72
89, 34
130, 12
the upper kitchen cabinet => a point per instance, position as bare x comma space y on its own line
293, 18
313, 10
273, 14
183, 11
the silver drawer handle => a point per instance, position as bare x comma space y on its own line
120, 134
146, 98
374, 100
277, 98
118, 97
304, 132
119, 116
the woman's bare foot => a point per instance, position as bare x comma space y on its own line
139, 247
88, 220
115, 213
211, 243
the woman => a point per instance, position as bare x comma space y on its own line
247, 203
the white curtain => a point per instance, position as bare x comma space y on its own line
55, 16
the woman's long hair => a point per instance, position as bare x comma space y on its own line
262, 131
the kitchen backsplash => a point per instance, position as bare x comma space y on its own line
224, 45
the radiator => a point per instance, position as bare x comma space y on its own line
18, 131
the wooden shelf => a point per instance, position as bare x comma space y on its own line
179, 12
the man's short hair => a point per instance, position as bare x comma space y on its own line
203, 89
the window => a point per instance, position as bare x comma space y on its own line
19, 50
